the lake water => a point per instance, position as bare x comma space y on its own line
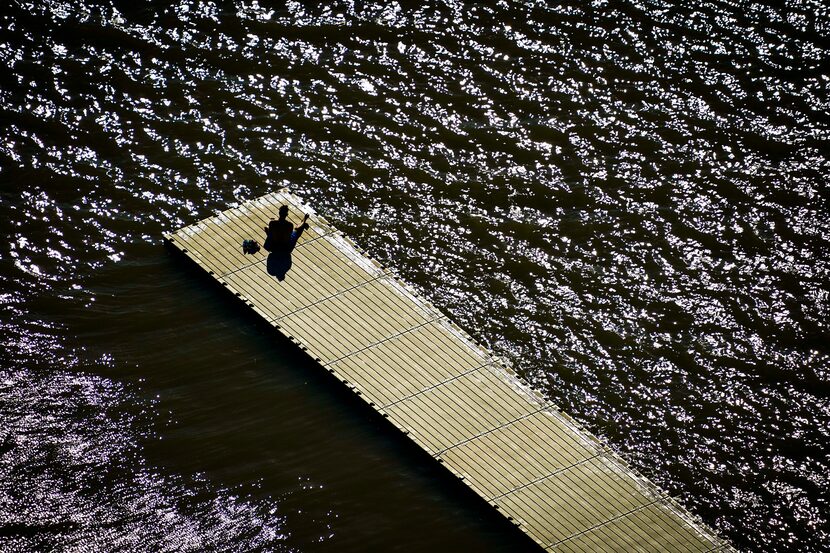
629, 200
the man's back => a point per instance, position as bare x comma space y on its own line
279, 234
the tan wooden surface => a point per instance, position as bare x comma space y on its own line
456, 400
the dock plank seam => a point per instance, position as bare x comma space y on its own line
330, 297
412, 367
434, 386
391, 337
508, 423
545, 477
561, 443
496, 461
446, 426
604, 523
504, 425
553, 501
681, 538
374, 317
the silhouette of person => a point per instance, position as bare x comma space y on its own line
281, 238
278, 232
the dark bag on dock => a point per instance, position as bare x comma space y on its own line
250, 246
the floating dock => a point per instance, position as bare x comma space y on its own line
460, 403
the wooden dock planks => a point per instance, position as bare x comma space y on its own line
456, 400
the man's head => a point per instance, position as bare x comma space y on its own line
283, 212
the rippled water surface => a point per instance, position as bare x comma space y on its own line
627, 199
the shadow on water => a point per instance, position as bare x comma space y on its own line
334, 428
243, 411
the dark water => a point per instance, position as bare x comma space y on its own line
629, 200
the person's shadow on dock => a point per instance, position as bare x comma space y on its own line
280, 240
278, 264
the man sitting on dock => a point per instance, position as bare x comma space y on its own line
280, 234
281, 237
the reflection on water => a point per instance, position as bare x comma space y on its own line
627, 200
